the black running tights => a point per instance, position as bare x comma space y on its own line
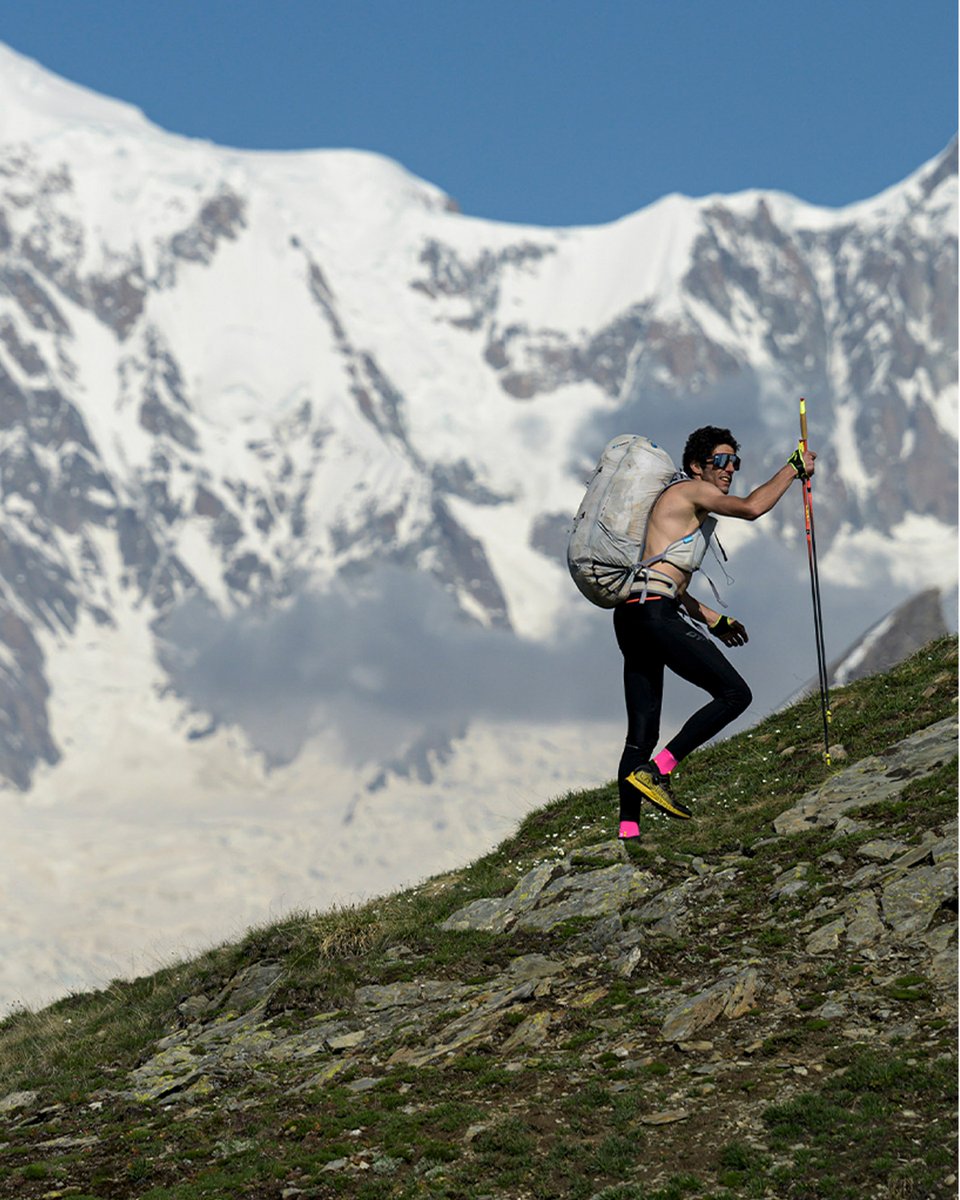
652, 636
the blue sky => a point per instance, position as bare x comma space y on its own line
552, 112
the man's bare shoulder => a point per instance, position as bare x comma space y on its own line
688, 495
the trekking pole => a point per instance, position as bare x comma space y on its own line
815, 591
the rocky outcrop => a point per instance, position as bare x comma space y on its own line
911, 625
611, 992
872, 779
888, 904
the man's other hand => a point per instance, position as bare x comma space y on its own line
729, 631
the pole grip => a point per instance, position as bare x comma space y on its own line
803, 423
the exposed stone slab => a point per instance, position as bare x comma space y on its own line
419, 991
943, 971
731, 997
826, 938
670, 903
15, 1101
530, 1034
879, 777
910, 902
790, 882
668, 1117
881, 850
483, 916
864, 926
941, 937
251, 987
946, 848
591, 894
917, 854
533, 966
478, 1024
497, 915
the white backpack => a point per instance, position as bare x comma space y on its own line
606, 544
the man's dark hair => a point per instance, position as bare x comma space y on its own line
702, 441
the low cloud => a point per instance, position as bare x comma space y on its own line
381, 667
387, 666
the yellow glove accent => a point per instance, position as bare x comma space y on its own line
796, 461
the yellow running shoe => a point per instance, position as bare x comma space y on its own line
656, 787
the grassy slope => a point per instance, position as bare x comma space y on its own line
543, 1136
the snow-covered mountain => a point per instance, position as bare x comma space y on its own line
288, 451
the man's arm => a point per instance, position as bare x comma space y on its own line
697, 610
709, 498
728, 630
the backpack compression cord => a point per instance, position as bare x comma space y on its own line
815, 591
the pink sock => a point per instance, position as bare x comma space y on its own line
664, 762
629, 829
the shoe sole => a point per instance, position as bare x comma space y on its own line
645, 784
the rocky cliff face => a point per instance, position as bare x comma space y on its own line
899, 634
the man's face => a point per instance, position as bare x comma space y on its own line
721, 477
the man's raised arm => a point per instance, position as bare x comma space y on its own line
711, 499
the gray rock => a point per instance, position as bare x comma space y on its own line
486, 916
672, 902
530, 1034
848, 826
419, 991
15, 1101
940, 938
627, 963
881, 850
730, 997
366, 1084
250, 987
872, 779
917, 854
827, 938
943, 970
533, 966
70, 1143
194, 1007
667, 1117
592, 894
790, 882
911, 902
946, 849
864, 876
864, 926
495, 916
478, 1024
824, 909
667, 927
347, 1041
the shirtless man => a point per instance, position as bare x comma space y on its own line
652, 634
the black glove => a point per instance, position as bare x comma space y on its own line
796, 461
729, 631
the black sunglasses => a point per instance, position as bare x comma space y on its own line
722, 460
